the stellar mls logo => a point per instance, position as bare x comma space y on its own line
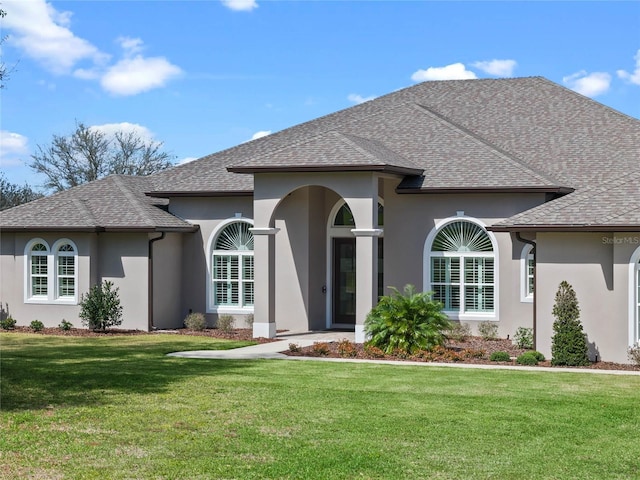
621, 240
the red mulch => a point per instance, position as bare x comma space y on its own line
474, 350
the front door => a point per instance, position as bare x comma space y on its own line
344, 281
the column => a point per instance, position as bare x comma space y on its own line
264, 324
366, 275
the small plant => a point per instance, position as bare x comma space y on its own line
8, 323
460, 332
528, 358
488, 330
321, 349
523, 338
36, 326
65, 325
408, 322
100, 308
500, 357
634, 353
372, 351
225, 323
538, 355
569, 343
347, 349
249, 320
472, 353
195, 321
294, 348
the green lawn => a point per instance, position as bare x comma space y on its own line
118, 408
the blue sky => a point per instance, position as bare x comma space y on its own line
205, 75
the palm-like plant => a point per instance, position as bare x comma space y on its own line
408, 322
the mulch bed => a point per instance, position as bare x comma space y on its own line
474, 350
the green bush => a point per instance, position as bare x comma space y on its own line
294, 348
225, 323
409, 322
459, 332
488, 330
8, 323
500, 357
36, 326
100, 308
528, 358
569, 343
523, 338
65, 325
538, 355
195, 321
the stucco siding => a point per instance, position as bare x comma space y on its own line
167, 282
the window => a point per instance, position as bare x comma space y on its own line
527, 274
462, 268
39, 270
51, 274
232, 266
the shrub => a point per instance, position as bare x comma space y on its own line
500, 357
634, 353
347, 349
195, 321
459, 332
225, 323
523, 338
8, 323
488, 330
294, 348
472, 353
320, 349
65, 325
100, 308
249, 320
538, 355
373, 351
36, 326
569, 343
528, 358
409, 322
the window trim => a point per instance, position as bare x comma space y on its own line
211, 307
56, 259
428, 254
52, 296
634, 298
525, 295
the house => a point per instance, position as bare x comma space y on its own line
487, 192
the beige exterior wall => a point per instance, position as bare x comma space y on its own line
167, 281
596, 265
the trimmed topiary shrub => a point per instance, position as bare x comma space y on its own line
523, 338
195, 321
36, 326
569, 343
500, 357
528, 358
408, 322
100, 308
225, 323
488, 330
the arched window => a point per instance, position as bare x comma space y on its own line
526, 274
344, 217
232, 266
66, 270
462, 268
38, 270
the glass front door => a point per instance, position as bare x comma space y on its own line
344, 281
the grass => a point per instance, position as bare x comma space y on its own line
118, 408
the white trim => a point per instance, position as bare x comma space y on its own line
367, 232
28, 298
426, 260
210, 307
266, 330
54, 250
634, 314
525, 297
263, 231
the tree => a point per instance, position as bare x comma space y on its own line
89, 154
100, 308
569, 343
12, 194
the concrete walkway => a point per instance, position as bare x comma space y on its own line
305, 339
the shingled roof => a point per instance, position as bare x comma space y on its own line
114, 203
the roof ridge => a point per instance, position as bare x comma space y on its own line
131, 197
506, 155
81, 203
348, 137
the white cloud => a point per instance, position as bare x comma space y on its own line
131, 76
130, 45
633, 77
187, 160
43, 34
110, 129
240, 5
356, 98
497, 68
12, 147
260, 134
589, 85
455, 71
